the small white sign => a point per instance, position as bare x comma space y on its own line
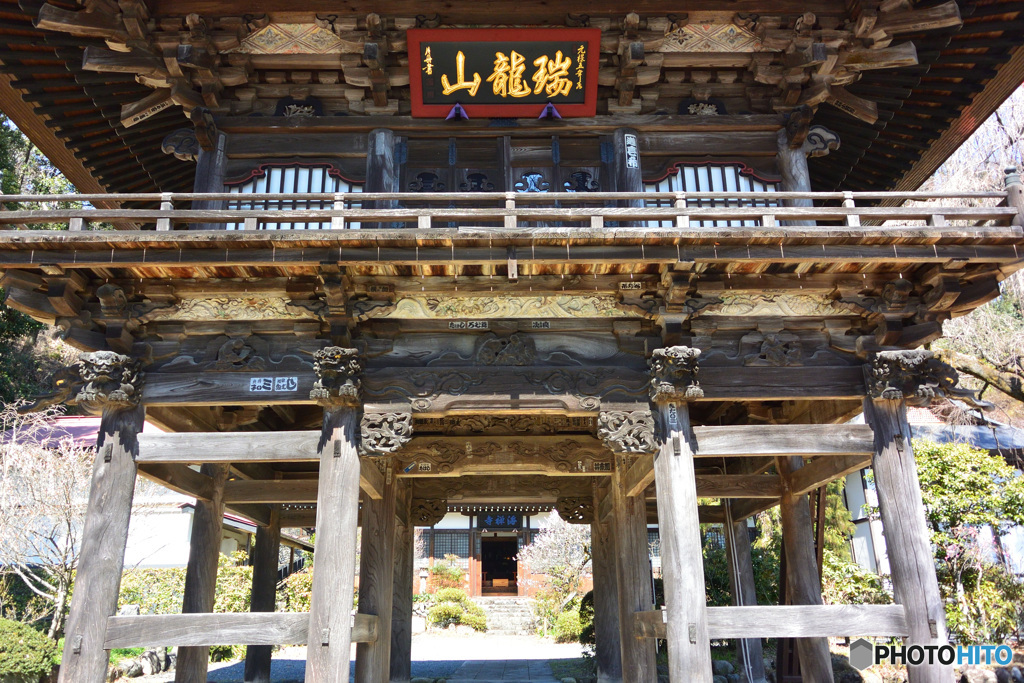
632, 151
673, 415
541, 324
270, 384
632, 285
469, 325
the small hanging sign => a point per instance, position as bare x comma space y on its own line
504, 72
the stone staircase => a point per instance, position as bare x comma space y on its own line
509, 616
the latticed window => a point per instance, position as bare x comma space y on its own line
654, 542
289, 179
712, 178
452, 543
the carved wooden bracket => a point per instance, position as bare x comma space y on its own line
98, 380
384, 433
674, 374
627, 431
576, 509
917, 377
337, 370
428, 511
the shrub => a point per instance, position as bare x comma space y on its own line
444, 614
451, 595
568, 627
477, 621
588, 637
296, 591
25, 651
446, 574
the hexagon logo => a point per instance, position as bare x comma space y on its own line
862, 654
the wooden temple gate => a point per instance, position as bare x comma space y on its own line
345, 315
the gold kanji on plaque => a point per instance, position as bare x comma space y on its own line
460, 74
552, 76
507, 78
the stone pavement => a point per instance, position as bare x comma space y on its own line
462, 657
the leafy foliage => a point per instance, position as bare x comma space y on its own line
446, 573
568, 626
294, 594
25, 651
452, 606
844, 582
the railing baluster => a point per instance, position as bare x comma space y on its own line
511, 223
852, 220
76, 224
251, 223
164, 224
682, 220
423, 222
338, 222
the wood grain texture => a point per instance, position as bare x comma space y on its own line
906, 533
264, 593
640, 475
689, 648
633, 575
608, 648
103, 543
789, 621
803, 582
400, 670
749, 654
376, 581
201, 571
772, 440
337, 514
204, 630
822, 470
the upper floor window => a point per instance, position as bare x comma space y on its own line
288, 179
713, 177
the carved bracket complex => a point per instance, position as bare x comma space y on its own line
337, 377
576, 509
915, 376
98, 380
385, 433
674, 374
428, 511
627, 431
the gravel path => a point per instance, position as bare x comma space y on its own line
459, 656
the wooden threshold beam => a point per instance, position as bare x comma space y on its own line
788, 621
245, 628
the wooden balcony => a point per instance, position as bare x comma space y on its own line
679, 215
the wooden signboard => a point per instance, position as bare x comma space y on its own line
504, 72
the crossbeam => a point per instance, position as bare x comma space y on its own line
788, 621
244, 628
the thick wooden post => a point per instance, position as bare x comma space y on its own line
803, 582
210, 169
682, 560
626, 163
103, 544
749, 653
608, 652
337, 516
266, 553
401, 605
633, 576
376, 581
793, 167
906, 533
201, 572
381, 172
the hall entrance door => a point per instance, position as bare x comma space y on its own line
499, 568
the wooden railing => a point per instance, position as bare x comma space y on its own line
511, 211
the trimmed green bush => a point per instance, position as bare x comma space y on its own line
568, 627
25, 651
444, 614
477, 621
451, 595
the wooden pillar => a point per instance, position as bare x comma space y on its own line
1014, 193
626, 164
376, 581
201, 572
381, 172
608, 652
210, 169
266, 552
633, 576
337, 518
103, 544
793, 167
401, 606
906, 533
749, 654
803, 582
682, 559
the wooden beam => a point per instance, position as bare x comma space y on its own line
180, 478
790, 621
371, 481
821, 471
229, 447
739, 486
772, 440
639, 476
242, 628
